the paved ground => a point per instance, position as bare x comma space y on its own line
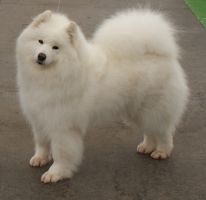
111, 170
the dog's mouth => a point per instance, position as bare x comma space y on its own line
43, 64
40, 62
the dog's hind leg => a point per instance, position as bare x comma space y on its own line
158, 126
158, 145
164, 145
147, 145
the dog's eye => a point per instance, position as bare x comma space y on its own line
41, 41
55, 47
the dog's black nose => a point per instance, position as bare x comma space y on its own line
41, 57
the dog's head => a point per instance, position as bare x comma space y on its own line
48, 40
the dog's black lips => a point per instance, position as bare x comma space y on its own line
40, 62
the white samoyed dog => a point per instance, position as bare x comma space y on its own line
129, 69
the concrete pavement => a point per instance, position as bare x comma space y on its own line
111, 169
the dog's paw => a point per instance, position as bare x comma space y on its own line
50, 177
56, 173
38, 161
159, 155
144, 149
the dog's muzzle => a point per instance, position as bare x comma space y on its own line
41, 58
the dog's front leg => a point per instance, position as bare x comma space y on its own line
67, 150
42, 153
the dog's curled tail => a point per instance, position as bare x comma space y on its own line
135, 33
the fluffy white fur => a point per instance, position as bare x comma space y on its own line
130, 68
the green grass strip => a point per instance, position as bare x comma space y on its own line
198, 7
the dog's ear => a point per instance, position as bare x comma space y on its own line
72, 32
41, 18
